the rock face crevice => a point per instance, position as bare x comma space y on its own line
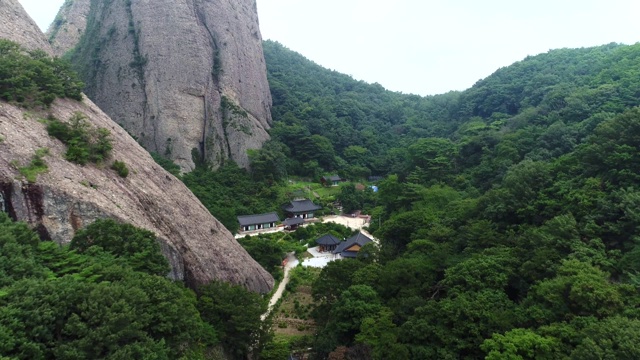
150, 63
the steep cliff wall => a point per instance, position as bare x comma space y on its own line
69, 25
70, 196
184, 76
16, 25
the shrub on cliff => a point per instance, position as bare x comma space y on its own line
84, 143
121, 168
32, 78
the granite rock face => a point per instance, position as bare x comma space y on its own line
16, 25
66, 30
69, 196
186, 77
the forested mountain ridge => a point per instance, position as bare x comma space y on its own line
363, 122
370, 127
508, 229
594, 75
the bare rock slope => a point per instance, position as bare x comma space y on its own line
69, 196
68, 26
186, 77
16, 25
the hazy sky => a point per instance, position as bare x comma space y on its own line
429, 46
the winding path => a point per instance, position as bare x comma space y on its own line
292, 262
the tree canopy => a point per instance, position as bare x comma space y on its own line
507, 218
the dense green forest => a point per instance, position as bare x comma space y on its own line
508, 213
329, 120
106, 296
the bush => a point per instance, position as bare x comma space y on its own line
121, 168
138, 246
84, 143
166, 164
234, 312
32, 78
36, 167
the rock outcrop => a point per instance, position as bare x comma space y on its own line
67, 28
187, 77
16, 25
69, 196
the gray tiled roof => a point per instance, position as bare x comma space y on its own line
298, 206
245, 220
359, 239
328, 240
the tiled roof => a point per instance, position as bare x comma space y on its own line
298, 206
328, 240
245, 220
358, 239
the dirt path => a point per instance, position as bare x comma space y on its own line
353, 223
291, 263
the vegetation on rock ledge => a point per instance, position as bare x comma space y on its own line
32, 78
84, 143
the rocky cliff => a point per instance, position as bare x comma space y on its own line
16, 25
69, 25
69, 196
186, 77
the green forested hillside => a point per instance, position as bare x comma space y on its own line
329, 120
106, 297
507, 220
538, 108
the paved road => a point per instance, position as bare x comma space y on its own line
291, 263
